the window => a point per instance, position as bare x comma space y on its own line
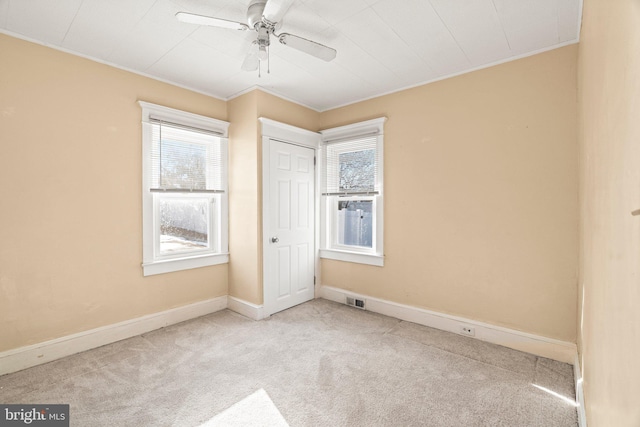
352, 193
184, 190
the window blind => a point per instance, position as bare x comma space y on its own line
185, 159
351, 167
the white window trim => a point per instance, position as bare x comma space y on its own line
374, 256
153, 266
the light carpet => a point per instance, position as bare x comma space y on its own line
319, 364
256, 410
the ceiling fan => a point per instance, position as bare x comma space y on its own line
264, 17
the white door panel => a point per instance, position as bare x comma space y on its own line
289, 253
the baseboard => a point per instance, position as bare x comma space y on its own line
37, 354
250, 310
541, 346
577, 375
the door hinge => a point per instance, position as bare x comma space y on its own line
314, 280
314, 160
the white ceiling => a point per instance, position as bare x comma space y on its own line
383, 45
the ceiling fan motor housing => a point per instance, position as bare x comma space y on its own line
254, 12
256, 20
263, 36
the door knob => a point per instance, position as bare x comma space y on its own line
274, 240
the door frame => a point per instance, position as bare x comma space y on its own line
282, 132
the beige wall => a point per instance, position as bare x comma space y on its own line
70, 185
275, 108
480, 196
481, 183
245, 184
609, 333
481, 211
245, 276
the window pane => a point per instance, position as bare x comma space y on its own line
357, 170
355, 223
183, 225
183, 165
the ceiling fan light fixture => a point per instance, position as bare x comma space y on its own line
251, 62
262, 53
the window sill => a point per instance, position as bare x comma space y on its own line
168, 266
359, 258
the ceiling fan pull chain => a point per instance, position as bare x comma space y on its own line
268, 60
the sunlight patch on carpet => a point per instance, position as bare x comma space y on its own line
254, 410
558, 395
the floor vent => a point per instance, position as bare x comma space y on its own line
355, 302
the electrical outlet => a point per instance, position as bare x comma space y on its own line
466, 330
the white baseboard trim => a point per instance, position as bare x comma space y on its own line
47, 351
577, 376
250, 310
541, 346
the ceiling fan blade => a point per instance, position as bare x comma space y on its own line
274, 10
251, 61
307, 46
192, 18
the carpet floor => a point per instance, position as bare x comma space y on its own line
317, 364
